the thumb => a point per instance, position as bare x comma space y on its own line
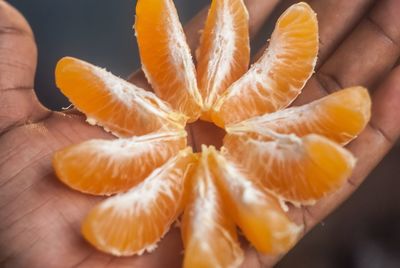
18, 53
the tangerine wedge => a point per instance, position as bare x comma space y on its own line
209, 234
298, 170
133, 222
113, 103
258, 214
340, 116
106, 167
224, 52
166, 57
278, 77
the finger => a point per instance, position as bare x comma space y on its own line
334, 26
366, 56
18, 102
258, 13
369, 149
371, 146
345, 16
371, 50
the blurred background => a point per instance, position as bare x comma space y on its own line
364, 232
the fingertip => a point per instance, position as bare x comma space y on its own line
12, 19
18, 49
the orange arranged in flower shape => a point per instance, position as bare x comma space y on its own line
270, 155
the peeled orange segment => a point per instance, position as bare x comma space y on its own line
209, 234
257, 213
133, 222
280, 74
113, 103
299, 170
340, 117
105, 167
166, 57
224, 52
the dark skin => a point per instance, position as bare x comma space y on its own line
40, 217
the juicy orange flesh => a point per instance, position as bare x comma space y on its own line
166, 57
279, 75
268, 231
134, 222
208, 234
257, 213
224, 52
101, 167
297, 170
112, 102
340, 117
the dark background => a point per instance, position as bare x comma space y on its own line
364, 232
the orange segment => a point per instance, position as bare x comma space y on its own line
166, 57
257, 213
299, 170
209, 235
340, 117
280, 74
224, 52
113, 103
134, 222
102, 167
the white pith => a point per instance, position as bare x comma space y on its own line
243, 188
278, 151
260, 78
206, 215
166, 181
180, 55
129, 99
146, 192
314, 115
132, 146
221, 58
129, 94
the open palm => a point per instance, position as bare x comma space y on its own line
40, 217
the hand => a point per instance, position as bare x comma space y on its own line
40, 217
